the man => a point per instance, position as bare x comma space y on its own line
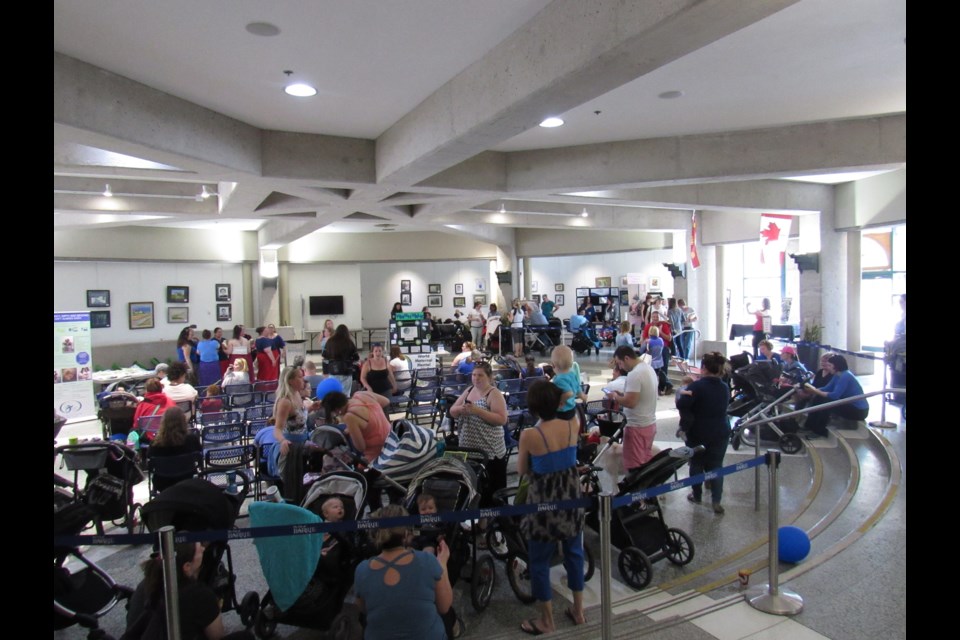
577, 320
547, 307
639, 402
689, 317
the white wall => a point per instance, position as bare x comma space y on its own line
581, 271
324, 280
147, 282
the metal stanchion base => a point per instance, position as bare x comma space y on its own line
883, 424
785, 603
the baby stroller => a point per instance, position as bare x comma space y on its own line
199, 505
111, 471
116, 414
638, 529
493, 335
758, 396
84, 596
453, 482
586, 339
309, 577
539, 339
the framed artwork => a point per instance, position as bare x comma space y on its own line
536, 298
604, 281
583, 293
534, 286
178, 294
404, 286
140, 315
458, 289
558, 299
434, 301
482, 299
405, 299
224, 312
223, 293
460, 301
99, 319
624, 281
98, 297
654, 283
481, 285
433, 288
178, 315
558, 286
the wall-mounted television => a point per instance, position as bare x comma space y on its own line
326, 305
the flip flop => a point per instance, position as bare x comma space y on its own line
532, 629
572, 617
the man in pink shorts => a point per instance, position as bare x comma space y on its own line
639, 402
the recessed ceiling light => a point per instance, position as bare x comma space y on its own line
584, 214
262, 29
300, 90
549, 123
670, 95
503, 209
107, 193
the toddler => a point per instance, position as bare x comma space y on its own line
568, 379
427, 538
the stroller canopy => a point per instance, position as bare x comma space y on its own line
407, 448
191, 505
449, 467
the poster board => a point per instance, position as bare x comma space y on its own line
73, 365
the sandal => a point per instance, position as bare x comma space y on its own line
530, 627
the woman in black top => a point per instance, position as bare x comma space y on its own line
707, 400
340, 354
173, 439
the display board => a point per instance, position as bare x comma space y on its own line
72, 365
411, 332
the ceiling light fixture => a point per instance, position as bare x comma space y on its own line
584, 214
298, 89
107, 193
503, 209
551, 122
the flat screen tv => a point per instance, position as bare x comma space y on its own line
326, 305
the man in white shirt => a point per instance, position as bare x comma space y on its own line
639, 402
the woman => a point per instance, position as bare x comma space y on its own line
290, 424
706, 401
173, 439
402, 367
397, 308
464, 358
548, 455
404, 593
198, 603
155, 402
279, 346
762, 324
625, 336
185, 350
842, 384
476, 320
376, 375
636, 315
655, 346
237, 373
516, 329
208, 349
222, 357
675, 316
767, 352
268, 365
482, 412
238, 347
341, 354
367, 425
328, 330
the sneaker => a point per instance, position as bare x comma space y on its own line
692, 498
718, 509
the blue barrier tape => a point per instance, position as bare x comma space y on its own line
405, 521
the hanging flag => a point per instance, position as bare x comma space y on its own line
774, 233
694, 257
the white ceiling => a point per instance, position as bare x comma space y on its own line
374, 62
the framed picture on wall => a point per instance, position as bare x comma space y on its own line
99, 319
178, 315
482, 299
624, 281
604, 281
223, 293
558, 299
460, 301
140, 315
178, 294
433, 288
458, 289
434, 301
404, 286
98, 297
536, 298
558, 286
654, 283
534, 286
224, 312
481, 284
405, 299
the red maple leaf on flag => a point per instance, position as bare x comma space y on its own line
771, 233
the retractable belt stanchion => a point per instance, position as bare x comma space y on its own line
770, 598
884, 423
606, 567
170, 588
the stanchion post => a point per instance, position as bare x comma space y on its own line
883, 424
756, 470
606, 567
770, 598
170, 593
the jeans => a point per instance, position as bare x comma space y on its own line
541, 553
708, 460
476, 333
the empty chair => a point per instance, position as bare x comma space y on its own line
242, 395
219, 435
258, 412
231, 468
220, 417
265, 385
510, 385
166, 471
422, 408
188, 409
529, 381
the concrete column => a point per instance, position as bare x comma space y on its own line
833, 280
246, 315
852, 299
507, 261
525, 273
283, 294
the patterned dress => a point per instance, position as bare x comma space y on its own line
554, 479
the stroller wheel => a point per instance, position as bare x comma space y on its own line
497, 543
791, 443
249, 607
735, 441
635, 567
264, 625
748, 435
482, 582
518, 575
678, 547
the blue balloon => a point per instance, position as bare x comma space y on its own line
793, 544
328, 385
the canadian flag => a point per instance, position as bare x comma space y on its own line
694, 258
774, 233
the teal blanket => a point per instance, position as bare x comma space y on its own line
288, 562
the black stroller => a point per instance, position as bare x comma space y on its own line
116, 413
322, 597
586, 339
453, 482
759, 396
86, 595
638, 529
199, 505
